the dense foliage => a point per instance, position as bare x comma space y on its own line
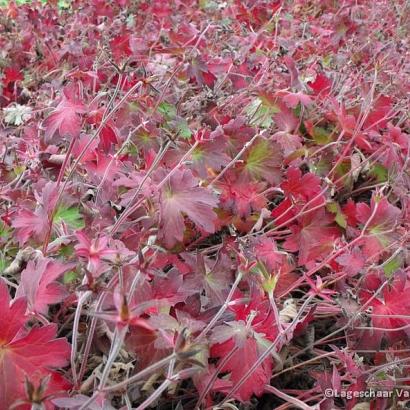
204, 204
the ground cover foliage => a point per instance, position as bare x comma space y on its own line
204, 204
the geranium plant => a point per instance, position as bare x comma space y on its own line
204, 204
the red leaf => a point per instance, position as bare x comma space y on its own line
201, 381
347, 121
240, 195
198, 71
45, 388
352, 262
11, 75
108, 137
294, 75
350, 211
181, 194
380, 231
283, 212
80, 145
293, 99
394, 302
299, 187
313, 237
97, 168
12, 316
289, 143
321, 86
186, 35
35, 224
120, 46
378, 117
25, 353
267, 251
242, 360
284, 118
240, 76
209, 155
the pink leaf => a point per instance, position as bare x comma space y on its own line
94, 250
39, 286
30, 224
65, 119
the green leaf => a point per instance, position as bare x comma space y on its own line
167, 110
3, 263
70, 216
327, 61
391, 267
340, 218
379, 232
321, 135
183, 129
379, 172
208, 5
297, 111
263, 160
4, 230
257, 155
260, 113
70, 277
62, 4
66, 251
174, 122
19, 169
197, 154
381, 375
